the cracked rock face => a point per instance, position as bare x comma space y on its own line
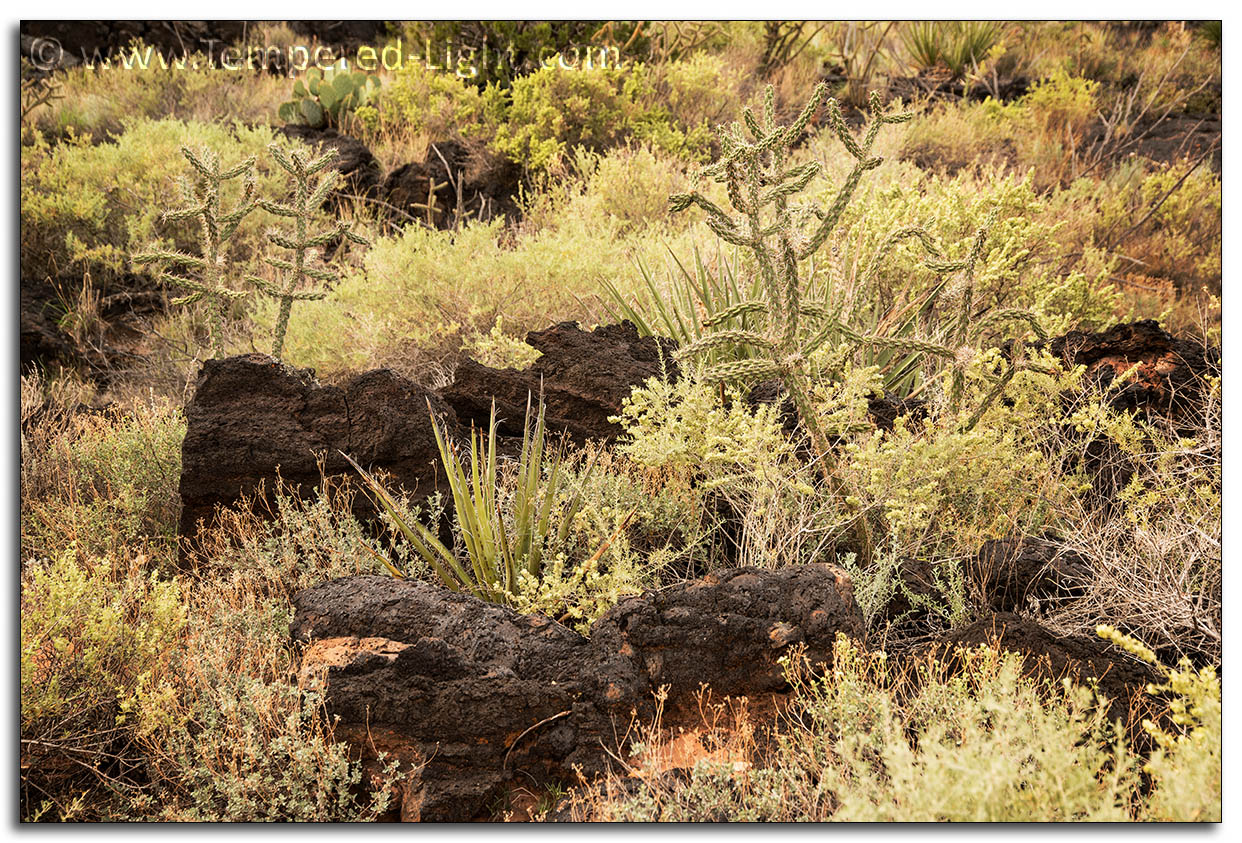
472, 696
584, 376
251, 416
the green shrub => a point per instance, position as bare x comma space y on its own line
98, 101
233, 733
419, 288
684, 426
1022, 262
621, 191
96, 638
431, 102
263, 752
1186, 766
553, 110
86, 208
738, 457
980, 744
941, 485
104, 484
499, 350
636, 528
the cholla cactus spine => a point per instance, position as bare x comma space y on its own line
203, 197
305, 203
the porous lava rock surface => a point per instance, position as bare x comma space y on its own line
1009, 574
1169, 372
471, 695
488, 184
583, 376
252, 417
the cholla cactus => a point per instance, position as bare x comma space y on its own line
305, 203
202, 193
755, 176
759, 185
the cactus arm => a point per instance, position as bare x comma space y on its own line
746, 308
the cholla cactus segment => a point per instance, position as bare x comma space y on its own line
202, 194
307, 199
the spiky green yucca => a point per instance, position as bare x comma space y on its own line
500, 547
306, 202
202, 194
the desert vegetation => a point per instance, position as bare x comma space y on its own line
917, 320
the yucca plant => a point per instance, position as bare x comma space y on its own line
957, 45
499, 546
202, 195
306, 201
679, 309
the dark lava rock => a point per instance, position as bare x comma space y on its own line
884, 410
360, 172
1167, 384
449, 684
122, 309
87, 40
917, 579
1009, 573
471, 694
583, 376
1168, 377
251, 416
409, 190
41, 340
1050, 656
345, 35
488, 184
727, 630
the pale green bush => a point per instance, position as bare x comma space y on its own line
448, 282
1186, 766
96, 638
97, 102
683, 425
939, 485
432, 102
231, 735
86, 208
498, 349
104, 483
623, 190
976, 742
